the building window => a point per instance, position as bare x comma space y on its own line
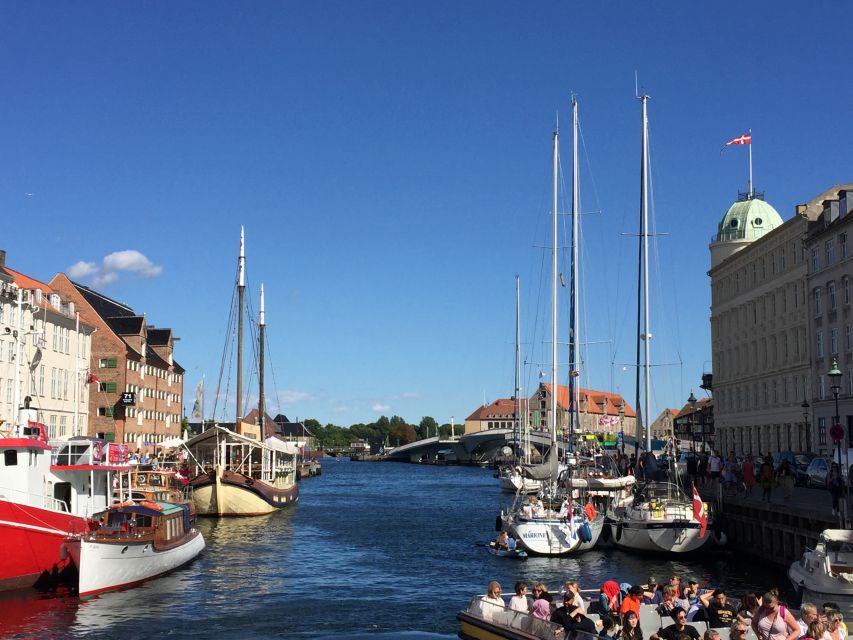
815, 259
821, 430
819, 349
53, 382
821, 389
107, 387
829, 245
842, 243
830, 291
845, 289
833, 341
108, 363
849, 337
62, 426
818, 306
105, 411
782, 264
51, 430
41, 380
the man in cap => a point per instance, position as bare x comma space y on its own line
652, 594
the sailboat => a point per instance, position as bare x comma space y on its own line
511, 478
657, 516
557, 523
233, 473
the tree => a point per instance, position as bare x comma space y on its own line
402, 434
311, 424
444, 430
427, 426
395, 420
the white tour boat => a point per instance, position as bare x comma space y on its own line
825, 573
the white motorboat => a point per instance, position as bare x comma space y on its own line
136, 541
513, 482
825, 573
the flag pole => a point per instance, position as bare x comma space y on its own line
749, 186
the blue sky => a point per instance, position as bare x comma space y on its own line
391, 164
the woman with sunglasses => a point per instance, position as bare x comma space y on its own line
834, 627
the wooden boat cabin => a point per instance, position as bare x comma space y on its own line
164, 524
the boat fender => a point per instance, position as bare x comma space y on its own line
618, 532
498, 522
605, 534
63, 552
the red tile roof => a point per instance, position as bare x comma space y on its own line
596, 401
26, 282
501, 408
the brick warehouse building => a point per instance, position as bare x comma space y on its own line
137, 397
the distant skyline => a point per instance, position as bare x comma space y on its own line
391, 165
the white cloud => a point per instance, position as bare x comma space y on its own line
129, 260
408, 395
81, 269
378, 407
292, 397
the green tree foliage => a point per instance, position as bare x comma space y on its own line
428, 427
402, 434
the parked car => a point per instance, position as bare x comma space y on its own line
817, 471
798, 461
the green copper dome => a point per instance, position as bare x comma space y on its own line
748, 220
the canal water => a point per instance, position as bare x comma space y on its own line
371, 550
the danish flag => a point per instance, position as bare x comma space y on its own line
699, 512
746, 138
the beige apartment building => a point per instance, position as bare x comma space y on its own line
764, 390
830, 314
46, 350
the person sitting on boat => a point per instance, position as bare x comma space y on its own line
492, 602
564, 509
573, 619
511, 544
183, 475
670, 602
631, 602
610, 597
501, 541
631, 627
720, 613
652, 594
528, 509
609, 627
679, 627
519, 602
572, 587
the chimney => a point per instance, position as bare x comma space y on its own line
2, 257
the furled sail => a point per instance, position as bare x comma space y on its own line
546, 470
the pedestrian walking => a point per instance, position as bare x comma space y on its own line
767, 478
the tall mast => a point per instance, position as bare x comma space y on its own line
241, 288
552, 414
574, 355
749, 185
518, 408
18, 339
643, 284
261, 408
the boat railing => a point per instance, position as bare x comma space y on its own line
504, 617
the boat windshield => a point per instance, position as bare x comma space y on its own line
501, 616
661, 491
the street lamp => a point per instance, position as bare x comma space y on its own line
692, 401
840, 433
807, 446
834, 375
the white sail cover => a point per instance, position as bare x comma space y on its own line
545, 471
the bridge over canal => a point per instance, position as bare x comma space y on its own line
472, 448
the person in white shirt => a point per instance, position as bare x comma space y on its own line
492, 602
519, 602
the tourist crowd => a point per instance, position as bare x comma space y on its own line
618, 606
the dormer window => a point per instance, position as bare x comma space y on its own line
733, 224
757, 222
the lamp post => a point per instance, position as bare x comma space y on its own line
621, 412
834, 375
692, 401
452, 434
807, 447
